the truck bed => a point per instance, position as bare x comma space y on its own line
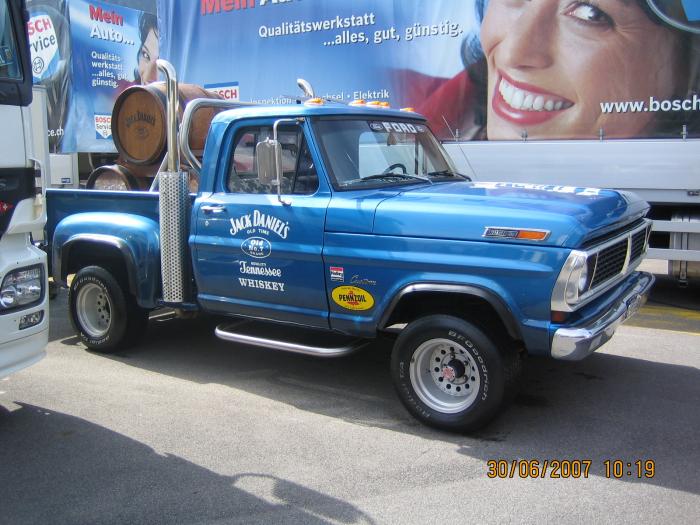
63, 202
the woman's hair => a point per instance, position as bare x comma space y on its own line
668, 124
147, 23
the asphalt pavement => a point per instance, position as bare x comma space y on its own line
190, 429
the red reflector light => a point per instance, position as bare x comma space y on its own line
559, 317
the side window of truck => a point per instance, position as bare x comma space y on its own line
299, 175
9, 65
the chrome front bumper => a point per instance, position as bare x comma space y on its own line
573, 344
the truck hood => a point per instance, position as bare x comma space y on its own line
463, 210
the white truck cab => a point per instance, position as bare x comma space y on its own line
24, 315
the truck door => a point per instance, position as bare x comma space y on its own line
255, 255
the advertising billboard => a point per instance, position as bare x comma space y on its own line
85, 53
478, 69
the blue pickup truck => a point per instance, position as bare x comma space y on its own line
326, 226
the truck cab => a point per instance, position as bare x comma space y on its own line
23, 272
326, 226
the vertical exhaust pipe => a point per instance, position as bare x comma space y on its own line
173, 204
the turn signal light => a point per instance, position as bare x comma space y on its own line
532, 235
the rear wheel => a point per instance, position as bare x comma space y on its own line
450, 374
103, 313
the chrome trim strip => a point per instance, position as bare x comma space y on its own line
573, 344
628, 233
493, 299
287, 346
487, 228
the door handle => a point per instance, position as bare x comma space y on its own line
213, 208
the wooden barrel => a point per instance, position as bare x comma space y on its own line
118, 177
139, 122
113, 177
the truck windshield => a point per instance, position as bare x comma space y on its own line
9, 64
363, 153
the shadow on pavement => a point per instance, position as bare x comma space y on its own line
73, 471
605, 407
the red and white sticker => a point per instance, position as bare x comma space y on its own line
337, 274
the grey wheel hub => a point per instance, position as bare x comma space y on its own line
444, 375
94, 310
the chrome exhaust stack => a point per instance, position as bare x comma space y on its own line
173, 204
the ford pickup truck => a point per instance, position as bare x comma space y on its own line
329, 225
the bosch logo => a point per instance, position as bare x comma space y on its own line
38, 65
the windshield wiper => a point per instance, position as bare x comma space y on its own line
446, 173
396, 175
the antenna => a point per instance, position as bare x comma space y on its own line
460, 147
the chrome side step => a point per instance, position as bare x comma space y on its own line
289, 338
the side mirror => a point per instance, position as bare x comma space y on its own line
268, 155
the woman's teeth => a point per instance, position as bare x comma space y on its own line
524, 100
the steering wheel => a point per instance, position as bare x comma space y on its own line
394, 166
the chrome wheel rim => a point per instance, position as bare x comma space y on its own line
94, 310
444, 375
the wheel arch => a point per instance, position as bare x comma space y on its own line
418, 299
100, 248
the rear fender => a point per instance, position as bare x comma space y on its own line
133, 237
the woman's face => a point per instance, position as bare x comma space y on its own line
147, 58
551, 64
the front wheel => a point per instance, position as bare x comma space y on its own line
103, 313
449, 374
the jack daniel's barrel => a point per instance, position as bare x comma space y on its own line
139, 121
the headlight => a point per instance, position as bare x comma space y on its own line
21, 288
574, 280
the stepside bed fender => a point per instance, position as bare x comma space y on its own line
83, 239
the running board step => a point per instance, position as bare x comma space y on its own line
289, 338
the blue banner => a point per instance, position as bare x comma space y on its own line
105, 45
477, 69
347, 50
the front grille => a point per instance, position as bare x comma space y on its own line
612, 256
638, 242
611, 261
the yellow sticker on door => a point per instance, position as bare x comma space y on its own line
353, 298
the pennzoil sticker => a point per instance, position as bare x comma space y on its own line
353, 298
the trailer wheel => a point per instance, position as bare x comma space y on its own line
103, 313
449, 374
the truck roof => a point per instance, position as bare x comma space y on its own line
307, 110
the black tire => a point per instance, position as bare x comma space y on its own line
449, 374
103, 313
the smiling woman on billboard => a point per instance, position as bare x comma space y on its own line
555, 69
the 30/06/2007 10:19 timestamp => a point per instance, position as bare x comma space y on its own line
569, 468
